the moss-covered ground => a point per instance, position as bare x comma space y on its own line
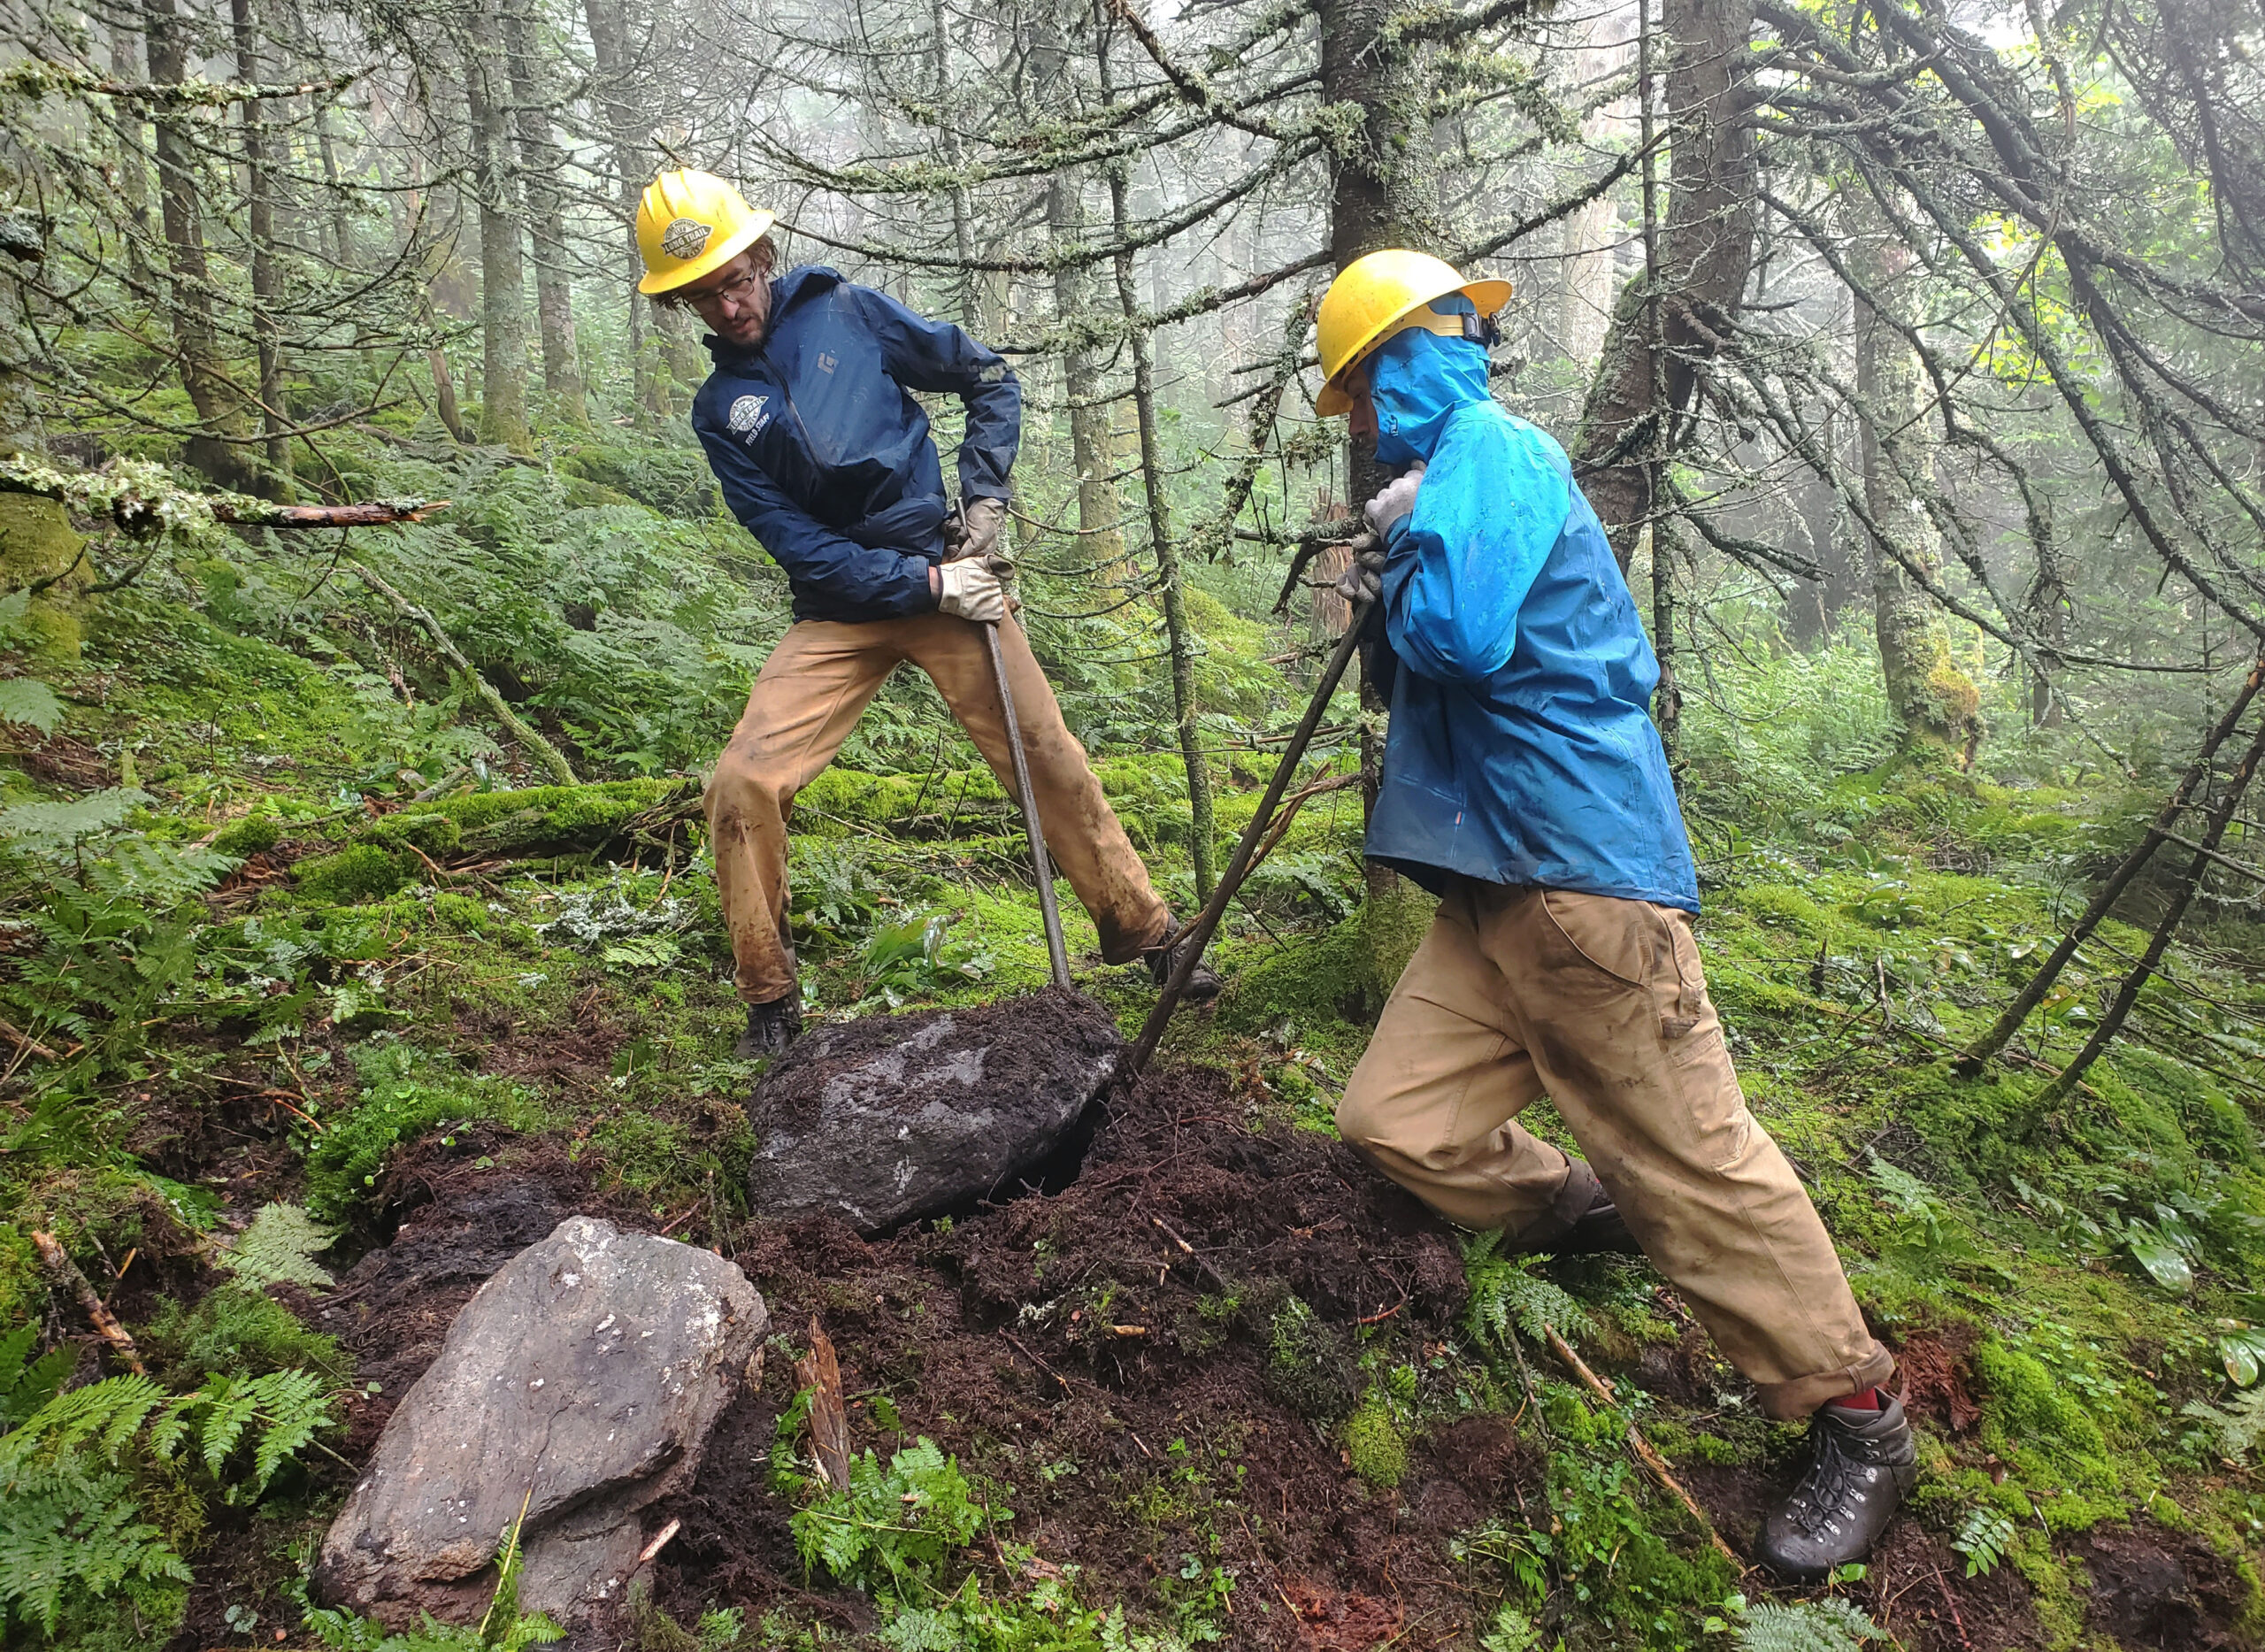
321, 919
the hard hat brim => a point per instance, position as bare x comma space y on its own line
1486, 297
712, 259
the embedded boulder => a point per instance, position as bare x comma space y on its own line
887, 1119
580, 1383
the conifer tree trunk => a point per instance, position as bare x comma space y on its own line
1629, 424
1093, 450
609, 59
261, 159
1936, 702
196, 342
542, 164
503, 270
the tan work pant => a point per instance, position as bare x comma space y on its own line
1600, 1004
806, 698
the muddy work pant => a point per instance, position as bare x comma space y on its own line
806, 698
1600, 1004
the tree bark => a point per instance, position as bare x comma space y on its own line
260, 167
1180, 638
196, 342
609, 59
1093, 448
503, 270
1936, 702
542, 164
1634, 414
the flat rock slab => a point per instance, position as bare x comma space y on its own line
581, 1379
892, 1118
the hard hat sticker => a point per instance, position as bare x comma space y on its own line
745, 416
684, 238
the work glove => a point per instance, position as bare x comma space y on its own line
984, 518
969, 589
1362, 580
1395, 502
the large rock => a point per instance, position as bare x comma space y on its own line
582, 1378
897, 1116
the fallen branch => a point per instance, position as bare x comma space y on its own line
145, 502
519, 729
66, 1274
1647, 1453
25, 1043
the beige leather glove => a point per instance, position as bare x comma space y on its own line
970, 590
984, 518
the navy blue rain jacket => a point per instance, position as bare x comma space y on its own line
824, 456
1522, 749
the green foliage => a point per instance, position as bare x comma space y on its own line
895, 1527
74, 1523
237, 1329
253, 834
406, 1094
1508, 1299
915, 959
30, 703
2240, 1425
279, 1248
1309, 1362
1984, 1538
1831, 1624
26, 1383
1374, 1445
366, 872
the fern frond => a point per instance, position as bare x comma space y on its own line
1827, 1625
2240, 1425
279, 1249
25, 1387
62, 1532
1507, 1299
108, 1413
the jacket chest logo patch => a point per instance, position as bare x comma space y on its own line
746, 415
825, 363
684, 238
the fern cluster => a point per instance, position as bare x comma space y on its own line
1827, 1625
75, 1470
2239, 1423
895, 1526
1509, 1300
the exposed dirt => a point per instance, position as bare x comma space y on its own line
1100, 1357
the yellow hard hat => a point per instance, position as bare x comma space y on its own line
1377, 295
690, 223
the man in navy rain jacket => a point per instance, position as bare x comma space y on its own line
1524, 784
811, 428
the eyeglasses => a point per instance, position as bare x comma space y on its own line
736, 289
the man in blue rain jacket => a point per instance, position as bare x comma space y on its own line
1524, 784
811, 428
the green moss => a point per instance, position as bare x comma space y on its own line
1309, 1362
461, 912
252, 835
408, 1094
363, 872
1374, 1445
435, 834
241, 1331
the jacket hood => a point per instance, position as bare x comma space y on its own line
1417, 380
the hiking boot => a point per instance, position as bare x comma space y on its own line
771, 1027
1584, 1223
1860, 1463
1204, 982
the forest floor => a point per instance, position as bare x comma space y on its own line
1219, 1382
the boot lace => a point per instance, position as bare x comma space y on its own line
1831, 1479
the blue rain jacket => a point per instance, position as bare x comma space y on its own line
1522, 749
824, 456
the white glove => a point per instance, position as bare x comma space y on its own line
971, 590
1396, 501
984, 518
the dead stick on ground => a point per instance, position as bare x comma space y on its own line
821, 1373
25, 1041
57, 1261
1645, 1452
